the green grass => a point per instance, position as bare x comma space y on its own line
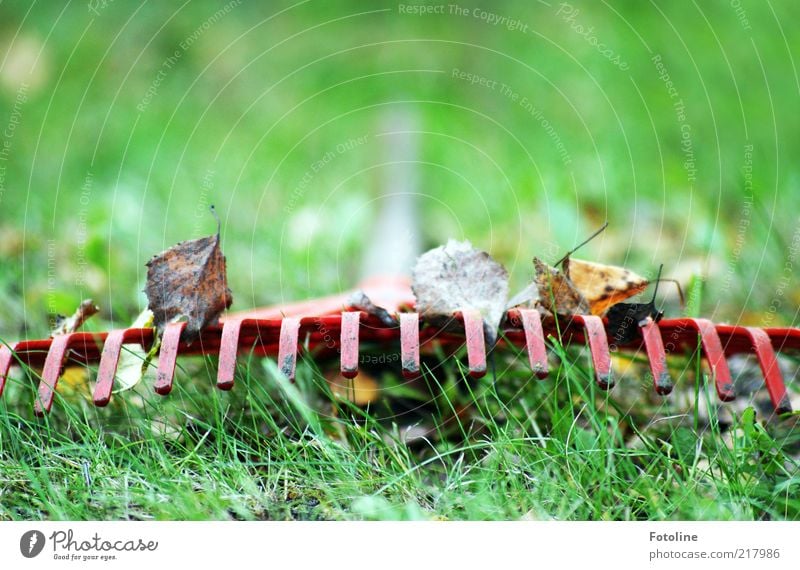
558, 449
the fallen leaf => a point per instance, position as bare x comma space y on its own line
556, 292
457, 276
624, 319
553, 291
361, 390
581, 288
188, 280
133, 360
74, 380
359, 300
529, 296
602, 285
67, 325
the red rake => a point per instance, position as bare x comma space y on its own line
330, 325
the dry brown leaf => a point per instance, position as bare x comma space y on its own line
188, 280
582, 288
457, 276
603, 285
556, 293
552, 291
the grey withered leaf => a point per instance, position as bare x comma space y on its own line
188, 280
457, 276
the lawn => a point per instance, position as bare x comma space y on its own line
121, 123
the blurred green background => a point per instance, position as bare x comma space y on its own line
121, 121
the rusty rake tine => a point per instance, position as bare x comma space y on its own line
654, 344
409, 344
51, 373
288, 346
349, 343
476, 343
762, 345
712, 347
228, 349
598, 347
534, 341
6, 354
109, 360
167, 357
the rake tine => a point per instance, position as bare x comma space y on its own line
409, 344
167, 357
476, 343
598, 347
52, 371
109, 360
229, 346
654, 345
349, 343
762, 345
712, 347
534, 339
5, 363
287, 346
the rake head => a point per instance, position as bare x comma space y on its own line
332, 325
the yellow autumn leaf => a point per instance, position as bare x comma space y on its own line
361, 390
